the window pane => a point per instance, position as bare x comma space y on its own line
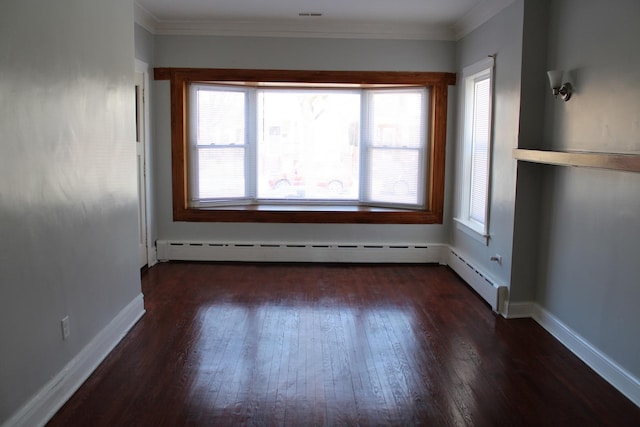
480, 150
397, 118
218, 136
394, 175
396, 132
221, 173
220, 117
308, 144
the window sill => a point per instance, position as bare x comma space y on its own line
468, 228
328, 214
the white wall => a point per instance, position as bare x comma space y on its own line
502, 36
574, 261
589, 274
288, 53
144, 49
144, 42
67, 183
534, 90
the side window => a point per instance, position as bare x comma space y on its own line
396, 146
475, 158
218, 148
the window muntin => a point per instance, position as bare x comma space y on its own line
277, 145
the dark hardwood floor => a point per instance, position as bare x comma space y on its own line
305, 345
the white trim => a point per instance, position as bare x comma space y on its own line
481, 13
294, 29
602, 364
144, 18
153, 255
483, 69
478, 67
519, 310
143, 67
608, 369
44, 404
305, 29
468, 228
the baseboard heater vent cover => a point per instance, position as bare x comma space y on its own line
492, 293
299, 252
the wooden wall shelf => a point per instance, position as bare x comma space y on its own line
619, 162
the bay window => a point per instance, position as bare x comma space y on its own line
308, 146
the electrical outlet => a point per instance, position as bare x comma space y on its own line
65, 327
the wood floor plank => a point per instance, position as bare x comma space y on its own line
311, 345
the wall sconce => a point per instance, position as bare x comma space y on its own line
560, 84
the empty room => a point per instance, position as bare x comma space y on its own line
420, 212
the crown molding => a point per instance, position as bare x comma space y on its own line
478, 15
305, 29
308, 28
144, 18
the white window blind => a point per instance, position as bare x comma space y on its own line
475, 149
480, 150
396, 149
218, 143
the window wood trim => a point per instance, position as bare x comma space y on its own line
433, 214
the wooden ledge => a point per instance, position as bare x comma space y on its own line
612, 161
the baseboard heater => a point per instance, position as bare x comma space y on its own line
492, 293
299, 252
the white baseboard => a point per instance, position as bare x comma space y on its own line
41, 407
153, 256
519, 310
613, 373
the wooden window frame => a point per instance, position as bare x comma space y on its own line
438, 83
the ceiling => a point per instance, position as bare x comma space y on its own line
388, 19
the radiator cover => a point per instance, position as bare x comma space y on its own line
299, 252
494, 294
